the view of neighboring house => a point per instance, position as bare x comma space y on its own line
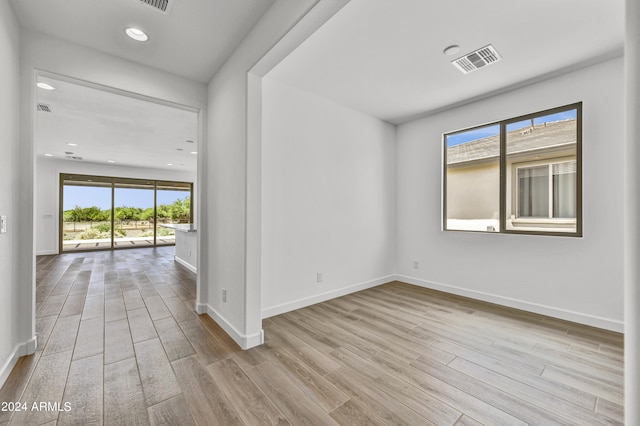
540, 179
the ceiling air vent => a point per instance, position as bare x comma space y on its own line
163, 6
44, 108
477, 59
73, 157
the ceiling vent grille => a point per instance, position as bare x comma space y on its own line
477, 59
44, 108
73, 157
163, 6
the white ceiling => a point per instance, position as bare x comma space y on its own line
385, 57
382, 57
193, 40
109, 126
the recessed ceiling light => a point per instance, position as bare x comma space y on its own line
451, 50
136, 34
72, 144
45, 86
169, 164
194, 152
48, 155
110, 161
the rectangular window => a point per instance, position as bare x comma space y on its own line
521, 175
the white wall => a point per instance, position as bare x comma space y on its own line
328, 179
223, 226
48, 192
13, 336
573, 278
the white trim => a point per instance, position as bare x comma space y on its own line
332, 294
186, 264
245, 341
21, 349
578, 317
201, 308
46, 252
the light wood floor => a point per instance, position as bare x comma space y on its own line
120, 343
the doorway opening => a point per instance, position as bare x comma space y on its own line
113, 169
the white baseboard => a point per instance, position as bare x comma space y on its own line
578, 317
22, 349
245, 341
186, 264
201, 308
46, 252
317, 298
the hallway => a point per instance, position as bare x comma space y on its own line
103, 319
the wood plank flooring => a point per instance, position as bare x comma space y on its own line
120, 344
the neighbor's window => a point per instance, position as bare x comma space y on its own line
521, 175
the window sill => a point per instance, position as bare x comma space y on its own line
542, 225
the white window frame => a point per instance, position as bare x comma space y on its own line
515, 186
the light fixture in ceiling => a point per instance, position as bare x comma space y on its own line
169, 164
194, 152
451, 50
72, 144
48, 155
136, 34
111, 161
45, 86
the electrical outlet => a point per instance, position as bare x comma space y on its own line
224, 295
416, 264
319, 277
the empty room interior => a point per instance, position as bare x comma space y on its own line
319, 212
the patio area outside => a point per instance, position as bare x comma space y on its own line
97, 235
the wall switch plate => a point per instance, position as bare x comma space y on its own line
3, 224
319, 277
224, 295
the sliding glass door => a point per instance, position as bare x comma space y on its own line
174, 207
100, 212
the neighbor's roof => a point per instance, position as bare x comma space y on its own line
543, 136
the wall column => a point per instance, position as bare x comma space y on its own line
632, 214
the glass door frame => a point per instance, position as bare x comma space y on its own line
113, 180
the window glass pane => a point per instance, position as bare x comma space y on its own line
564, 190
473, 180
174, 207
533, 192
133, 214
86, 214
541, 172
